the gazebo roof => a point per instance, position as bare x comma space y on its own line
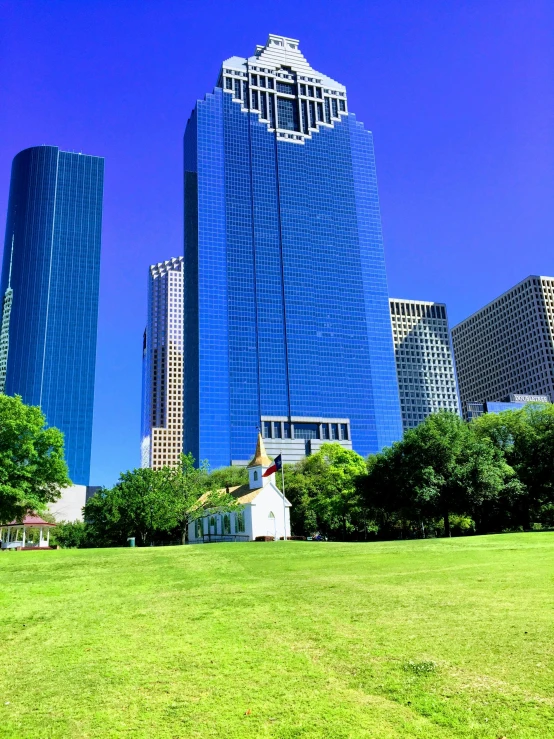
31, 519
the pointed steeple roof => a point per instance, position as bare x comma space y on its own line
260, 458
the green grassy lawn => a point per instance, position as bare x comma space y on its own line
436, 638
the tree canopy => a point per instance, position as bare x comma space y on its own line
154, 505
439, 468
526, 439
32, 466
323, 493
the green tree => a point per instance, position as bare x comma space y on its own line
70, 535
192, 495
32, 466
526, 438
324, 494
225, 477
441, 467
139, 505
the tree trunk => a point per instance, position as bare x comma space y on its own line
447, 531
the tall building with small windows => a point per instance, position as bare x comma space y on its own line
49, 292
424, 364
162, 358
287, 325
507, 347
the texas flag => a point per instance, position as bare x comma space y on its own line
275, 467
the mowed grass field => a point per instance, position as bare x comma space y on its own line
436, 638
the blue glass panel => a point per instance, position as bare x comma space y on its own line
55, 218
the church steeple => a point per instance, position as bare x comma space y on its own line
258, 466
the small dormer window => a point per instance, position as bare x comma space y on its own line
255, 475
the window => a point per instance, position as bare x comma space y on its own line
334, 431
310, 91
255, 475
262, 81
305, 122
228, 83
263, 105
312, 115
276, 430
286, 430
335, 108
318, 93
199, 528
254, 100
254, 79
342, 106
325, 431
319, 112
240, 528
270, 83
226, 524
237, 89
302, 89
285, 87
306, 431
267, 429
344, 432
287, 113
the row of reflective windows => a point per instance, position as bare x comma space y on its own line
286, 430
415, 309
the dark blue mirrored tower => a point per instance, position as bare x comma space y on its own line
287, 324
49, 292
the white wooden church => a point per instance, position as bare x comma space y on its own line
264, 510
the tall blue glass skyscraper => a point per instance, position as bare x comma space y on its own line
287, 324
49, 292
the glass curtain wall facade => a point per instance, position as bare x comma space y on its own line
286, 301
49, 292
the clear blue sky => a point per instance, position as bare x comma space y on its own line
459, 95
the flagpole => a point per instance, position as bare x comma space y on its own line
284, 499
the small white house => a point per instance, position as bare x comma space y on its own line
264, 510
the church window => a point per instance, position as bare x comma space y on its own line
240, 523
255, 475
199, 529
226, 524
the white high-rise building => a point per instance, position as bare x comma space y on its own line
507, 347
424, 365
162, 393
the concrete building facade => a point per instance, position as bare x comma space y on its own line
508, 347
162, 357
424, 363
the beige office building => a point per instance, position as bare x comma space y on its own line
162, 399
424, 364
507, 347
